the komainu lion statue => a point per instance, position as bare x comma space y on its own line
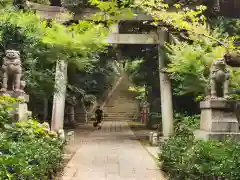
12, 68
219, 80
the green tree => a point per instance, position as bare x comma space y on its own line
191, 59
41, 44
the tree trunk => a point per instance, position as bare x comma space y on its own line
165, 90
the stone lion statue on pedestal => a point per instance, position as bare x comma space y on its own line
12, 69
219, 80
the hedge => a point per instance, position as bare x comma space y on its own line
28, 149
184, 158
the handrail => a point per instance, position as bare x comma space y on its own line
109, 94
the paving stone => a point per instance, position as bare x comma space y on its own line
111, 154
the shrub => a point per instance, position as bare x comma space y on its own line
189, 123
6, 109
28, 149
183, 158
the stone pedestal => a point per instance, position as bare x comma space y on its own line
21, 108
218, 120
150, 136
21, 113
70, 138
154, 138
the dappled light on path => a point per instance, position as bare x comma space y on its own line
112, 153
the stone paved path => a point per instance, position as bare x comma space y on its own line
112, 153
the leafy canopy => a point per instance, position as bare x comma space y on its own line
190, 60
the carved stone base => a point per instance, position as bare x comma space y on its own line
218, 120
21, 112
70, 138
15, 94
218, 116
220, 136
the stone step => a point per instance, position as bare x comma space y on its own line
130, 116
117, 110
117, 117
120, 119
120, 104
106, 114
119, 114
120, 107
111, 104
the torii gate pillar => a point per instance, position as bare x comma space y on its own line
165, 88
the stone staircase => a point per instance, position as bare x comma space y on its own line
122, 105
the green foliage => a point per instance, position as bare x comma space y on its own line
135, 71
5, 4
142, 73
172, 154
111, 11
132, 65
190, 65
183, 157
191, 20
40, 46
45, 2
140, 91
231, 26
28, 149
184, 122
6, 109
98, 77
190, 61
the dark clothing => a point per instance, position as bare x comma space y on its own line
99, 115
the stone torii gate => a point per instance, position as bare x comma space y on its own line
158, 38
165, 85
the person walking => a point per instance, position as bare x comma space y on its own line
98, 116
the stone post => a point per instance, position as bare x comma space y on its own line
21, 112
165, 89
59, 96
